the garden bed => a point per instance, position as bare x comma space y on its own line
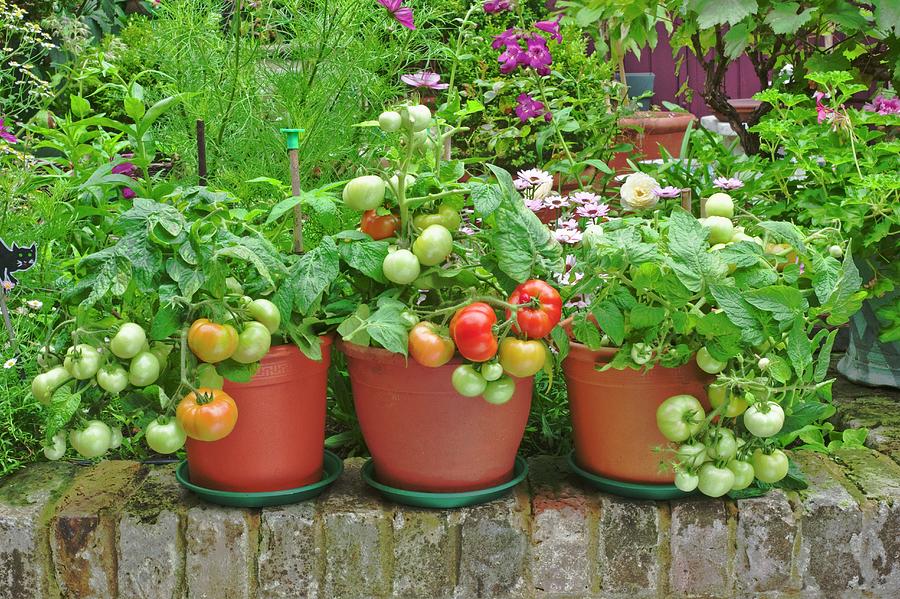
124, 528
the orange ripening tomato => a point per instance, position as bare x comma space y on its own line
207, 415
428, 347
379, 227
212, 342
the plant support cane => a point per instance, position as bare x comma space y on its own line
293, 146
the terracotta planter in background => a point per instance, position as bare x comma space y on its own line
614, 413
423, 435
278, 442
646, 131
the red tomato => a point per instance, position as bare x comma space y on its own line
539, 321
472, 328
428, 347
207, 415
379, 227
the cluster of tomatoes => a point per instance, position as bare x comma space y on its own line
494, 363
129, 360
710, 458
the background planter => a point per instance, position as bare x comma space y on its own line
646, 131
639, 84
614, 413
279, 439
868, 361
423, 435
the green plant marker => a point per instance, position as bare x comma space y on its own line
293, 145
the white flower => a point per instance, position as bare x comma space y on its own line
541, 182
35, 304
7, 285
567, 236
9, 363
570, 224
584, 197
556, 202
21, 310
637, 192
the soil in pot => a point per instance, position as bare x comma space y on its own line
279, 439
423, 435
614, 413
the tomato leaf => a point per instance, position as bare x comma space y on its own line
610, 319
62, 408
366, 256
236, 372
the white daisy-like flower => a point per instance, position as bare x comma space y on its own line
593, 210
10, 363
521, 184
567, 236
35, 304
556, 202
570, 224
21, 310
535, 177
584, 197
534, 205
7, 285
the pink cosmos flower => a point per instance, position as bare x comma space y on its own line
667, 192
551, 27
535, 205
728, 184
879, 105
495, 6
424, 79
823, 113
6, 134
593, 210
402, 14
529, 108
570, 224
556, 202
583, 197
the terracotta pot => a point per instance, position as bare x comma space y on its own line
423, 435
279, 439
744, 108
614, 413
646, 131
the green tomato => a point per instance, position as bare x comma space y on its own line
390, 121
115, 440
433, 245
364, 193
112, 378
720, 204
253, 343
264, 311
770, 468
715, 481
401, 267
467, 381
82, 361
691, 455
165, 437
680, 417
500, 391
743, 474
394, 183
720, 229
92, 441
208, 377
719, 394
128, 341
44, 385
685, 480
641, 353
418, 117
144, 369
491, 371
764, 419
450, 217
708, 363
57, 449
836, 251
721, 444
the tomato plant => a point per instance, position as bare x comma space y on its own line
43, 385
764, 419
536, 322
144, 369
82, 361
500, 391
720, 204
207, 414
708, 363
364, 193
770, 467
430, 347
112, 378
212, 342
715, 481
472, 329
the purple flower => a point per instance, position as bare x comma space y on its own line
570, 224
510, 58
125, 168
507, 38
578, 304
667, 192
728, 184
521, 184
128, 193
529, 108
467, 230
534, 177
879, 105
538, 55
593, 210
424, 79
6, 134
403, 14
551, 27
534, 205
581, 198
567, 236
495, 6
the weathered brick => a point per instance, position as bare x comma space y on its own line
563, 517
700, 548
425, 546
290, 552
766, 532
879, 480
26, 502
84, 528
494, 549
357, 533
629, 539
830, 530
151, 546
220, 547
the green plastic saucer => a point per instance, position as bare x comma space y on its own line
443, 500
624, 489
332, 468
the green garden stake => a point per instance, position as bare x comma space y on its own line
293, 146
